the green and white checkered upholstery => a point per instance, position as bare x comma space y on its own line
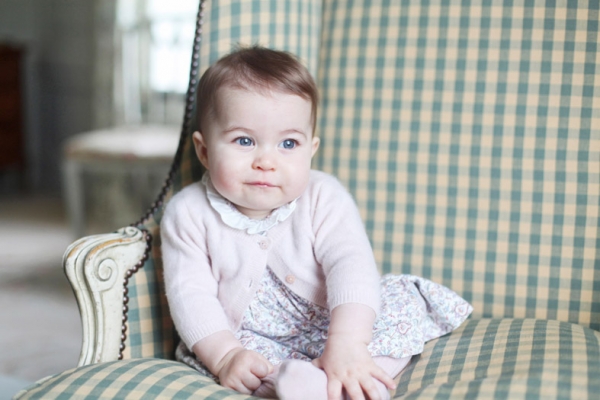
469, 134
545, 359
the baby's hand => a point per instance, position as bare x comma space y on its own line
349, 365
242, 370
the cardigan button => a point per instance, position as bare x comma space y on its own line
264, 244
290, 279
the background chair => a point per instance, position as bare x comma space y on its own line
468, 134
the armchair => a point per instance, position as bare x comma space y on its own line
469, 136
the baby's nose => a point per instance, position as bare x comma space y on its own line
264, 160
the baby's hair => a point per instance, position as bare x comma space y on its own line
255, 68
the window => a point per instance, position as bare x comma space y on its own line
156, 39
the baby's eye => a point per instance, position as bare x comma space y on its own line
288, 144
244, 141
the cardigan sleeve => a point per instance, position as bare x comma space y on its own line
190, 285
342, 247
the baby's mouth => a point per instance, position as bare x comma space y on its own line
261, 184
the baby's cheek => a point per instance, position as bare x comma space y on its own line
300, 182
222, 181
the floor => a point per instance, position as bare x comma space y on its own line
40, 329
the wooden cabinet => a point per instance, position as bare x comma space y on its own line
11, 108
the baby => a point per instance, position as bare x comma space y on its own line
269, 273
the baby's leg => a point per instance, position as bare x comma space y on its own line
302, 380
393, 366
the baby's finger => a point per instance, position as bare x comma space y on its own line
370, 389
261, 368
238, 386
382, 376
334, 389
250, 382
354, 390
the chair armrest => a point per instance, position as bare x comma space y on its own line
97, 267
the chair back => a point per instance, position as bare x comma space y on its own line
468, 133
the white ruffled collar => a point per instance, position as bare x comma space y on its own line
232, 217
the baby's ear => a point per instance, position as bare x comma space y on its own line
316, 141
201, 149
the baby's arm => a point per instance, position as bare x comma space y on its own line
237, 368
192, 290
342, 248
346, 359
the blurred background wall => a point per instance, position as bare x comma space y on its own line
59, 46
91, 64
87, 65
57, 37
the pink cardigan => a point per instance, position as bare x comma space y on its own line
321, 252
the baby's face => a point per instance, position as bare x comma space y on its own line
258, 149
